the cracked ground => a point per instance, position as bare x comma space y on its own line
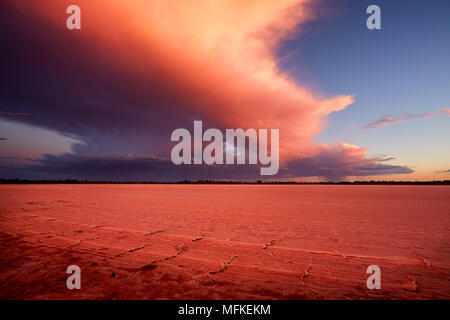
224, 241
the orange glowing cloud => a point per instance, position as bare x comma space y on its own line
216, 56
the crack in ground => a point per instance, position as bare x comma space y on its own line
271, 243
147, 244
412, 286
73, 245
152, 265
225, 265
79, 242
424, 261
198, 238
131, 250
306, 273
154, 232
338, 253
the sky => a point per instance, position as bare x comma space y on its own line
100, 103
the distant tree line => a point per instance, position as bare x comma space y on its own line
74, 181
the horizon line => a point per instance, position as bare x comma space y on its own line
257, 182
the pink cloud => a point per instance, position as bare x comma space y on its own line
215, 56
406, 116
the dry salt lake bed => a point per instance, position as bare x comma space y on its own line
224, 241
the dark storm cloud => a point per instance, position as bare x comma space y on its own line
133, 168
337, 163
121, 95
52, 79
71, 166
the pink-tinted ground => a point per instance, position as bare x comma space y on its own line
224, 241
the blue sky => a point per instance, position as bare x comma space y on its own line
404, 67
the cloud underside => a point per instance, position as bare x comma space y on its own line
141, 69
71, 166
